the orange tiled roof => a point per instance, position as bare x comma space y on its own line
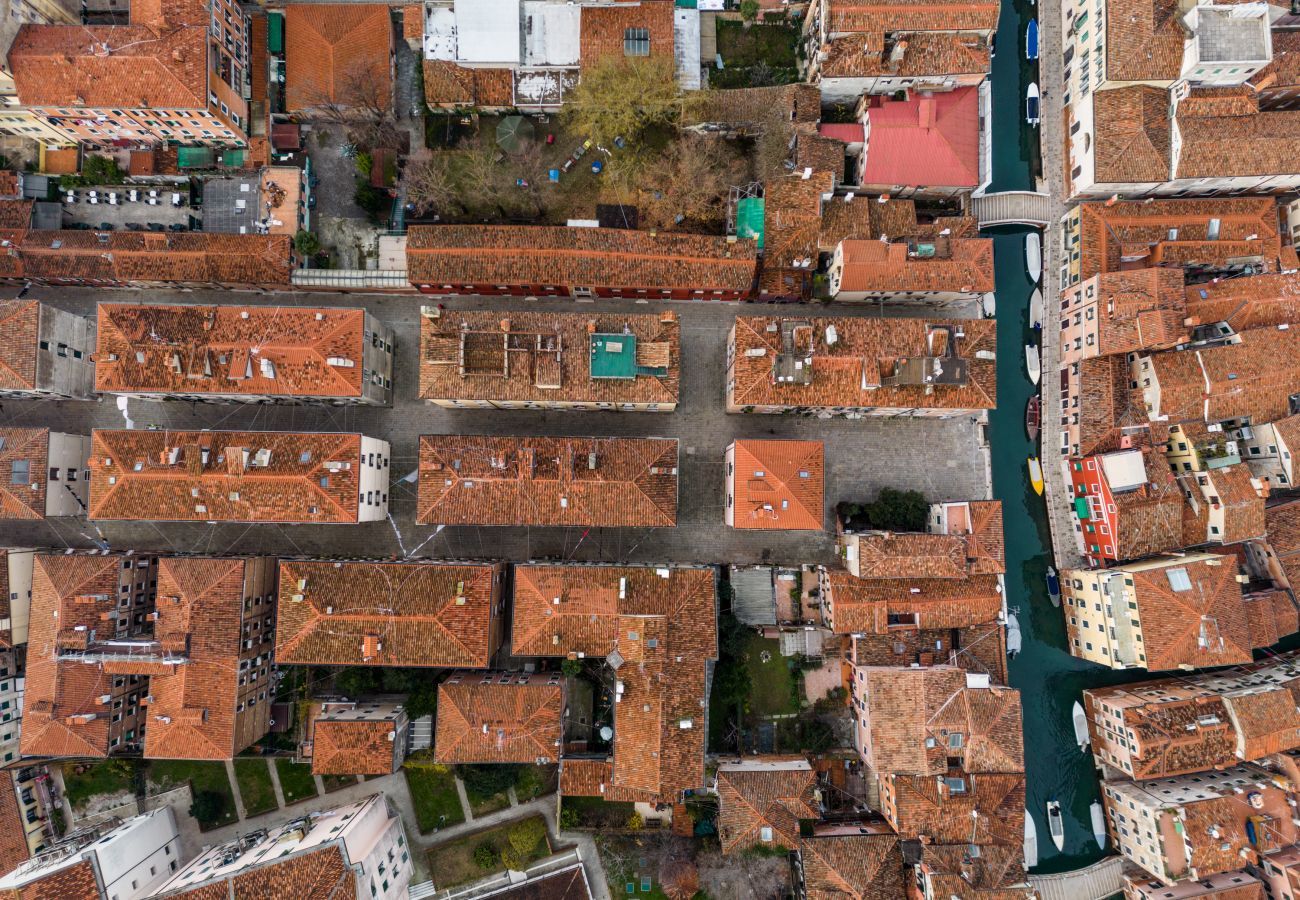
925, 53
61, 712
851, 16
159, 66
985, 543
1174, 622
1224, 133
123, 256
595, 778
447, 84
662, 623
888, 555
545, 356
1272, 616
1141, 309
1257, 301
924, 805
25, 500
854, 370
1251, 379
336, 53
74, 882
497, 717
792, 219
875, 266
911, 712
541, 255
778, 484
16, 214
19, 327
1135, 232
192, 713
1107, 404
868, 219
315, 875
861, 866
386, 614
603, 29
954, 871
1164, 745
1144, 40
13, 838
156, 474
764, 793
263, 350
976, 648
865, 605
352, 747
482, 480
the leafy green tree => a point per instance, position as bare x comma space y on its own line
485, 856
749, 10
208, 807
102, 170
489, 779
527, 835
422, 701
571, 668
306, 243
623, 96
356, 681
896, 510
373, 200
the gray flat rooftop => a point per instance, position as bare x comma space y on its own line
230, 205
1223, 37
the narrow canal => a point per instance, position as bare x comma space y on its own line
1049, 679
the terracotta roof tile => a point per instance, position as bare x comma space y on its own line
603, 29
405, 614
854, 370
595, 778
548, 357
1272, 616
447, 84
1107, 405
864, 867
495, 717
332, 49
352, 747
9, 184
156, 474
193, 713
19, 327
1131, 233
866, 605
851, 16
1142, 309
753, 111
777, 484
1174, 621
151, 66
1171, 737
16, 214
664, 630
229, 350
910, 713
23, 497
792, 208
74, 882
1251, 379
482, 480
764, 793
536, 255
926, 53
874, 266
316, 875
975, 648
1257, 301
1282, 527
13, 836
869, 219
888, 555
1224, 133
924, 805
955, 871
1144, 40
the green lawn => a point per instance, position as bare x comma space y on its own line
481, 806
295, 781
534, 781
336, 782
593, 812
255, 786
203, 778
771, 682
107, 777
755, 56
433, 794
453, 863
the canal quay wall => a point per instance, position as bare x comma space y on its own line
1065, 545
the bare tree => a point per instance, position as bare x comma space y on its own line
678, 876
622, 97
361, 98
432, 185
691, 179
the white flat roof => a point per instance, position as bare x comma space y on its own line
439, 33
551, 33
487, 31
1124, 470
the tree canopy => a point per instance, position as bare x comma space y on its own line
622, 97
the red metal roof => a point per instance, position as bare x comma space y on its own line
929, 139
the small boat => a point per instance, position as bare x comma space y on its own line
1033, 362
1053, 587
1055, 824
1033, 417
1080, 725
1098, 824
1031, 104
1013, 634
1036, 475
1031, 41
1034, 257
1031, 841
1036, 310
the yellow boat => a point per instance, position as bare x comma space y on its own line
1036, 475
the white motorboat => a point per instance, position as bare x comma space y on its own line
1033, 362
1034, 256
1098, 824
1031, 104
1055, 824
1080, 726
1013, 634
1031, 841
1036, 310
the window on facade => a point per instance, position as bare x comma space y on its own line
636, 42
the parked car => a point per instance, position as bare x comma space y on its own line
177, 226
157, 226
134, 226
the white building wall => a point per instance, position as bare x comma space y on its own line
20, 564
68, 484
372, 505
138, 856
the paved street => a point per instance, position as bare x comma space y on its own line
938, 458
